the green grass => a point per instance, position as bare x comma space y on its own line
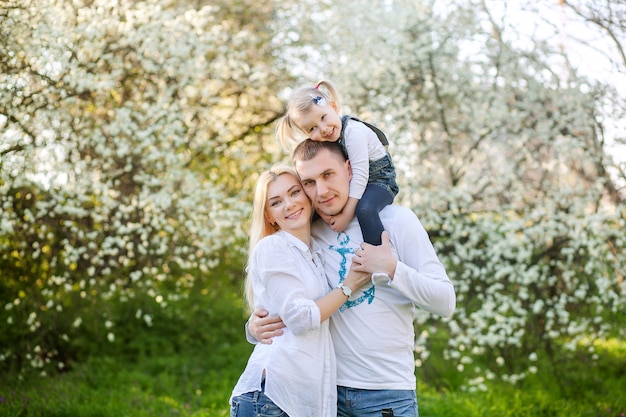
582, 389
198, 384
158, 386
187, 364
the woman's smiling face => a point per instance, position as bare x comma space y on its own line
288, 206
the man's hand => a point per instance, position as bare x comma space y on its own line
263, 327
372, 259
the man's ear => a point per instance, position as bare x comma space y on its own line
349, 168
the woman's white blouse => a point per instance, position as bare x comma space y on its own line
287, 277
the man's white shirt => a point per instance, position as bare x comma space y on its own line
373, 332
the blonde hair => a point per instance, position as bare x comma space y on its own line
300, 102
260, 226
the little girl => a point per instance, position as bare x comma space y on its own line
313, 112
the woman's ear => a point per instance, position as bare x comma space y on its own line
271, 221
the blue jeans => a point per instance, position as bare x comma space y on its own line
380, 192
353, 402
374, 199
255, 404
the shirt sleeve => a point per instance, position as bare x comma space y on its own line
419, 275
249, 336
281, 277
357, 137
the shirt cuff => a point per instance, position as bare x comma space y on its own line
380, 278
249, 337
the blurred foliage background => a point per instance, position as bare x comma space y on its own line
132, 133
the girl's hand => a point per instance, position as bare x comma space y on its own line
327, 219
339, 222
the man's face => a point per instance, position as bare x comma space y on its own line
326, 180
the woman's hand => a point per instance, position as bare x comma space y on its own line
357, 279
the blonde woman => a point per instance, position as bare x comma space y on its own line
295, 375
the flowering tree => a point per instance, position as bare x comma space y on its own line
128, 130
131, 131
501, 152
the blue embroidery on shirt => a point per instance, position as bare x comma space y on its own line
343, 240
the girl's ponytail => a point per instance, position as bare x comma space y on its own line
330, 91
284, 131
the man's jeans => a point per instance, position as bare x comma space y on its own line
352, 402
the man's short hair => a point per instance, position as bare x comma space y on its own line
308, 149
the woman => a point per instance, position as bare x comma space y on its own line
295, 375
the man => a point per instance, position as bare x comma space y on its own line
373, 331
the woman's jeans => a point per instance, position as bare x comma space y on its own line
352, 402
255, 404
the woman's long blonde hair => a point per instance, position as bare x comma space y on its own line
260, 226
300, 102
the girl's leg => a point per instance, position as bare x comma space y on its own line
374, 199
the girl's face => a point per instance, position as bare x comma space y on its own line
320, 123
288, 206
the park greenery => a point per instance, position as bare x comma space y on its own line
132, 133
